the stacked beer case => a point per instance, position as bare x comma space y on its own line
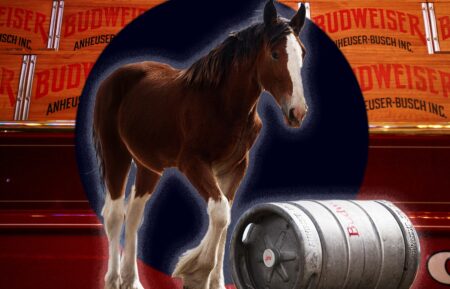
47, 51
399, 52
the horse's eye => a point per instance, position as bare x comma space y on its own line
275, 55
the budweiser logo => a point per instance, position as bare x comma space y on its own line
352, 230
60, 78
444, 27
105, 17
371, 18
6, 84
268, 258
403, 76
23, 19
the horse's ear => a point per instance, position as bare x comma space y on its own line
270, 13
299, 19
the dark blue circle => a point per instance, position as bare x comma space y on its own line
326, 158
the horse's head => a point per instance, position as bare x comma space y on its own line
280, 63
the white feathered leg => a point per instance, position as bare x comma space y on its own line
128, 271
113, 213
196, 265
217, 280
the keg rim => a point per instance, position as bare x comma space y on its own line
249, 217
411, 240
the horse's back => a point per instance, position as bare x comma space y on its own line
125, 78
123, 81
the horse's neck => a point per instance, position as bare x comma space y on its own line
240, 93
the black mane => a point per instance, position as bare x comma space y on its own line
242, 47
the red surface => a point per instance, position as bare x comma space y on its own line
430, 242
62, 259
39, 166
46, 219
408, 168
76, 258
49, 238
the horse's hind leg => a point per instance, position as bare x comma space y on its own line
117, 162
145, 184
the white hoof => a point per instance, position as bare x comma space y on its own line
218, 286
133, 283
112, 282
129, 277
186, 262
193, 270
216, 282
195, 282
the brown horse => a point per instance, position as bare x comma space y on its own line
203, 121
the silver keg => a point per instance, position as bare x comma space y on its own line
335, 244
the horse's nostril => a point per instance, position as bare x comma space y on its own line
291, 114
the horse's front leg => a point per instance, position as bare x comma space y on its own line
229, 182
195, 266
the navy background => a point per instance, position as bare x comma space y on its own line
325, 158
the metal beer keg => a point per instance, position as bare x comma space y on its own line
332, 244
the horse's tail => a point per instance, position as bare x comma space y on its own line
98, 154
97, 128
107, 103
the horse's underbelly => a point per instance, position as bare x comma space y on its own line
152, 153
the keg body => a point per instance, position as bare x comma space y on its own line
332, 244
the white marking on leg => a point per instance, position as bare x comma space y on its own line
294, 64
133, 220
195, 265
219, 219
113, 213
217, 280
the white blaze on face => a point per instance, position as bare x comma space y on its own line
294, 64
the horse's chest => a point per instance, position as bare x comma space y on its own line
234, 146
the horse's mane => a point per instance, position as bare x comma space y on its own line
242, 47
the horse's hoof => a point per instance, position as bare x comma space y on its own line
217, 286
112, 285
112, 281
131, 284
216, 282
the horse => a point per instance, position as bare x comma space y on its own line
201, 120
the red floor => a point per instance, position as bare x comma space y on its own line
41, 256
50, 239
66, 257
55, 258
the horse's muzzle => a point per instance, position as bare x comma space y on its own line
295, 116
